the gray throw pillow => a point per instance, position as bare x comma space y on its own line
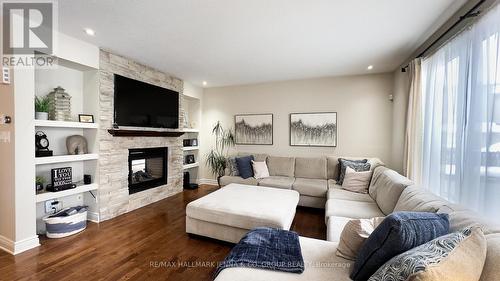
356, 165
232, 167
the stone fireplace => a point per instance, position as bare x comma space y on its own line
115, 198
147, 168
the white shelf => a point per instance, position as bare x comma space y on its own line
189, 166
41, 197
187, 130
190, 148
65, 124
65, 158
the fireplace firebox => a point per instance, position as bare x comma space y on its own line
147, 168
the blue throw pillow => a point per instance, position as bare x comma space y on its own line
398, 233
245, 166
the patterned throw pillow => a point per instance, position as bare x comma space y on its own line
356, 165
232, 167
456, 256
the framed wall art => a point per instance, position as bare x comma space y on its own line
313, 129
254, 129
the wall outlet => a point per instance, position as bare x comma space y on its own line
5, 75
53, 206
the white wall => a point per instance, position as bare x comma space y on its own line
365, 114
400, 93
7, 222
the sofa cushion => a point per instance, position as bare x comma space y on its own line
278, 182
386, 188
246, 207
335, 191
257, 156
418, 199
491, 270
245, 166
352, 209
334, 227
226, 180
311, 187
398, 233
310, 168
334, 167
281, 166
315, 253
463, 218
456, 256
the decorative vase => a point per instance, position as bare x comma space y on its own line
41, 115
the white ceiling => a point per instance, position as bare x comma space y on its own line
229, 42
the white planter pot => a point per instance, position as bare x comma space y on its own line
41, 116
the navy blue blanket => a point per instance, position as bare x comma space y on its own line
267, 248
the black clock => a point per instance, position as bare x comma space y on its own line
42, 145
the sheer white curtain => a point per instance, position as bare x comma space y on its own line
461, 118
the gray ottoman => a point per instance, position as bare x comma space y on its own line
228, 213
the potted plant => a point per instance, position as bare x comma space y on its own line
42, 108
217, 157
39, 181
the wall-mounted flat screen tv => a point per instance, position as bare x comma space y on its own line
139, 104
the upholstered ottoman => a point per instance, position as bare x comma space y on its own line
228, 213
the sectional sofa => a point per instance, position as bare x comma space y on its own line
311, 177
388, 192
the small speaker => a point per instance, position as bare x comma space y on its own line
87, 179
186, 179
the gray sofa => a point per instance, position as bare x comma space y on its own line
311, 177
388, 192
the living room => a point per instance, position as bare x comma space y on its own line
250, 140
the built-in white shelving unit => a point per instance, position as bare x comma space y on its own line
65, 158
190, 148
81, 82
192, 108
44, 196
65, 124
189, 166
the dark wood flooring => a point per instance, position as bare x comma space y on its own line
147, 244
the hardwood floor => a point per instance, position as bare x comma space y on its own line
147, 244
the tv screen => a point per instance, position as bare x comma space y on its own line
140, 104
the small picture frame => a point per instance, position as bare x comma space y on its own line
190, 159
85, 118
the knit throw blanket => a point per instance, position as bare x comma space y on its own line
266, 248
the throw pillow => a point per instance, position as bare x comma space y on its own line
245, 166
232, 167
353, 236
356, 165
398, 233
260, 170
356, 181
456, 256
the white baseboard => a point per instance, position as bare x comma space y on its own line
208, 181
15, 248
93, 217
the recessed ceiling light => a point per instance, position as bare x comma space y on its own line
89, 31
204, 83
370, 67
